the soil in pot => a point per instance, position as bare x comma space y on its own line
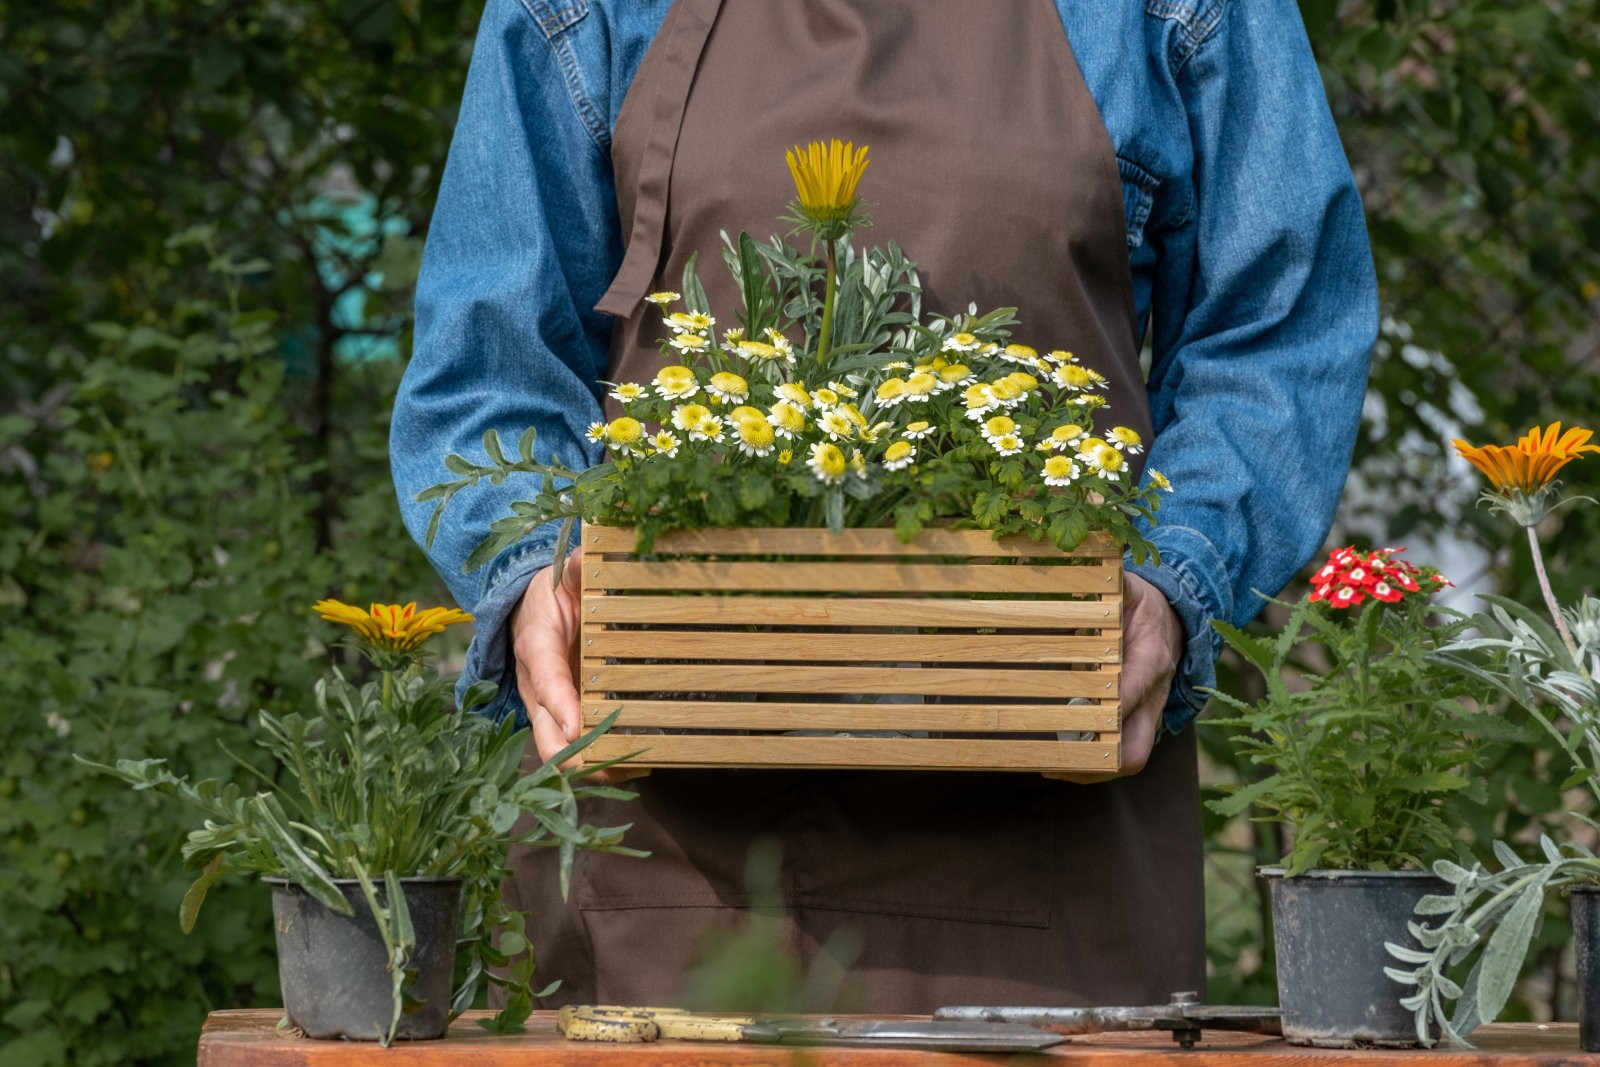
1329, 928
331, 966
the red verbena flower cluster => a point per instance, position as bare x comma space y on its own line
1349, 577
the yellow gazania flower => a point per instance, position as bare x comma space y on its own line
1534, 461
662, 298
727, 386
825, 177
391, 627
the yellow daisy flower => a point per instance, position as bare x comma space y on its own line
1126, 439
662, 298
755, 436
794, 393
686, 416
858, 463
624, 434
917, 430
785, 456
899, 455
745, 411
824, 398
1159, 480
733, 335
891, 392
786, 418
627, 392
1023, 354
690, 321
955, 374
665, 443
1071, 376
391, 627
1007, 444
827, 463
676, 383
961, 342
999, 426
690, 342
708, 428
920, 386
1059, 470
596, 432
728, 387
836, 424
758, 351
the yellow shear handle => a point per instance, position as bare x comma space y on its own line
610, 1022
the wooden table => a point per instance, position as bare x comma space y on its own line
250, 1039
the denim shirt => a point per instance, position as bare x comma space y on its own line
1252, 279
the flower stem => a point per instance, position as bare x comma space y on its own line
1549, 596
829, 285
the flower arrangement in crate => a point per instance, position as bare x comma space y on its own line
834, 405
1547, 663
844, 410
385, 837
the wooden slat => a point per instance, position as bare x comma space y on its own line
836, 647
722, 576
854, 611
599, 677
749, 715
886, 753
821, 542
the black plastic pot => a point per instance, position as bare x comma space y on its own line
1329, 928
331, 966
1586, 945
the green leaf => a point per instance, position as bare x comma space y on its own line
189, 909
1508, 947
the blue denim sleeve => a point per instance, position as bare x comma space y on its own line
1264, 313
523, 241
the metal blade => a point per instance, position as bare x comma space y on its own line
941, 1035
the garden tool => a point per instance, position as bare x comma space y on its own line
624, 1024
1184, 1016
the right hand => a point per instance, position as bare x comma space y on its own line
544, 641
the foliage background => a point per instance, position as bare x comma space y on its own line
212, 220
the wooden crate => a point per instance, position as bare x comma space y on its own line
721, 644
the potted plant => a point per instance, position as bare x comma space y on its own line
1362, 736
382, 828
1547, 663
776, 479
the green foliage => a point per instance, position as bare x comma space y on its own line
390, 778
1361, 753
900, 423
1490, 915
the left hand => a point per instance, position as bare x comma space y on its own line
1152, 648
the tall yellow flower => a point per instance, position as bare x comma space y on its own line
1533, 462
391, 627
826, 177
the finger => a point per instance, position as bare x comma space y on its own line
543, 649
547, 736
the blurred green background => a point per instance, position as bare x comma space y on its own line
212, 217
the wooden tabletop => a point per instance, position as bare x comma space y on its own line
250, 1039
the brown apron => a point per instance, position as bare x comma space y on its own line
991, 166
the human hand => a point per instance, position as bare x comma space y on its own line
544, 641
1152, 648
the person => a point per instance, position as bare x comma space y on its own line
1119, 172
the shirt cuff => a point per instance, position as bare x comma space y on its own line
1192, 577
489, 656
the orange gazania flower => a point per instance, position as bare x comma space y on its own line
1533, 461
391, 627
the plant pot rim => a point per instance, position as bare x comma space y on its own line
282, 880
1332, 874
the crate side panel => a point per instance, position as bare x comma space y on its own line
786, 715
854, 611
833, 646
802, 541
887, 753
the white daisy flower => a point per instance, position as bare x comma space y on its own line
827, 463
1126, 439
685, 416
787, 419
676, 383
690, 342
915, 431
1059, 470
836, 424
665, 443
627, 392
728, 387
1007, 444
